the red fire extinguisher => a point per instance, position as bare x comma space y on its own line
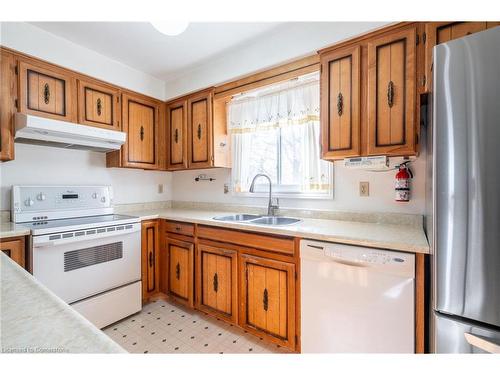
402, 185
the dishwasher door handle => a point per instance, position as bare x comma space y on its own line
347, 262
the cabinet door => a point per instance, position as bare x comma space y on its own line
150, 258
140, 122
392, 94
200, 153
268, 292
98, 105
14, 248
180, 271
441, 32
8, 96
177, 129
340, 104
46, 92
217, 281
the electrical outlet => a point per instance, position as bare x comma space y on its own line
364, 189
160, 188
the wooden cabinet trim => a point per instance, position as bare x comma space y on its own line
268, 242
8, 99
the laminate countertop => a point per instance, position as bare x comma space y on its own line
34, 320
409, 238
8, 230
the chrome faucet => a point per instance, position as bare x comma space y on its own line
271, 208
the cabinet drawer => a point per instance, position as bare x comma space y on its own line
278, 244
187, 229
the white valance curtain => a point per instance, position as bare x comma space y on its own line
289, 114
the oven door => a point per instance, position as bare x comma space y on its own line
78, 268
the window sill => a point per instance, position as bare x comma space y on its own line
319, 196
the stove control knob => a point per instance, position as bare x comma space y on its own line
29, 202
103, 199
41, 197
94, 195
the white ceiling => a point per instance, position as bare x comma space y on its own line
139, 45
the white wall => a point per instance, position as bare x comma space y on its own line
39, 165
288, 42
346, 190
34, 41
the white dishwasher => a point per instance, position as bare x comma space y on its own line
356, 299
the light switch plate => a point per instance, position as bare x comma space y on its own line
364, 189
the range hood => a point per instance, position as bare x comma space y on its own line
42, 131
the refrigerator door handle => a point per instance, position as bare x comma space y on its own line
483, 343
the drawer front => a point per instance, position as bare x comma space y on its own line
186, 229
277, 244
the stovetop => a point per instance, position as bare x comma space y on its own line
63, 225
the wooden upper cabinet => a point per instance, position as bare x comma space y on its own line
442, 32
216, 288
8, 95
392, 94
340, 103
177, 135
46, 91
180, 263
15, 249
150, 258
98, 105
268, 290
140, 117
200, 143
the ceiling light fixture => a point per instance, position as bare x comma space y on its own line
170, 28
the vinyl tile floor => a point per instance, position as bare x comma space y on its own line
162, 327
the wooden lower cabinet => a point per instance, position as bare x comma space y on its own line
149, 259
15, 249
267, 289
216, 281
180, 270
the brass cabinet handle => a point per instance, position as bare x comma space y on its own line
390, 94
99, 106
199, 131
265, 300
216, 282
176, 136
340, 104
178, 271
46, 93
142, 133
151, 259
178, 229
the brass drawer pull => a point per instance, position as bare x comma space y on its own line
265, 300
216, 282
199, 131
46, 93
176, 136
178, 229
178, 271
142, 133
99, 106
340, 104
390, 94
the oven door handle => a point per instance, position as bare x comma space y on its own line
44, 244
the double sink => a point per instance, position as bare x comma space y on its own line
258, 219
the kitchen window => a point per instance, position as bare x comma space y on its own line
275, 131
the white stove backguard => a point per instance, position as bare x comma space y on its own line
33, 203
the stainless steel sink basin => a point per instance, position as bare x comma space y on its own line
238, 217
275, 220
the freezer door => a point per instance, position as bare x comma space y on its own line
466, 135
455, 336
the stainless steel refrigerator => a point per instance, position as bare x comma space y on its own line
463, 213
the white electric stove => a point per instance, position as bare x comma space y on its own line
81, 250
